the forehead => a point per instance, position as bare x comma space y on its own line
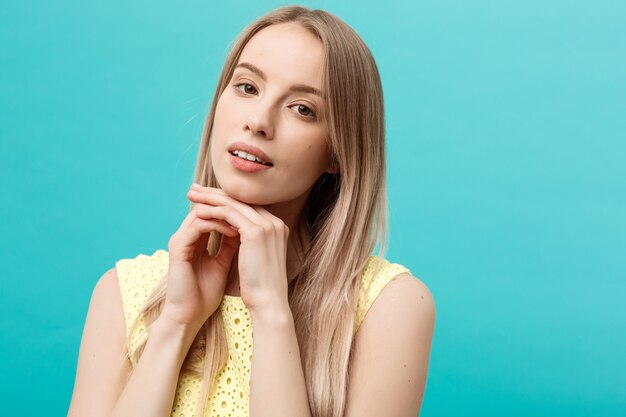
287, 53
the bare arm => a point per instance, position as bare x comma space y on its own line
390, 365
100, 374
103, 386
276, 370
195, 288
389, 368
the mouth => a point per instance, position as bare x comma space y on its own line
246, 165
247, 151
250, 157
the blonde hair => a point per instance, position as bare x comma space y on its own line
346, 215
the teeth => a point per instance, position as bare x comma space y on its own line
249, 157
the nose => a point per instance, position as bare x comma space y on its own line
259, 122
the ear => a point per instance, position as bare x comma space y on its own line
334, 166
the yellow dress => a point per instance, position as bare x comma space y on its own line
139, 275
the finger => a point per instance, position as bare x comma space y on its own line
215, 196
201, 226
195, 186
188, 218
192, 232
199, 206
189, 241
280, 229
226, 213
206, 227
278, 223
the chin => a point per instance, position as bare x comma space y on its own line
247, 194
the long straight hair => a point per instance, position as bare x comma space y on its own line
346, 215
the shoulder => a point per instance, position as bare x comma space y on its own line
106, 289
392, 350
402, 297
137, 278
382, 278
406, 297
107, 284
102, 346
106, 302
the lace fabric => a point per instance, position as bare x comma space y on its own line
137, 278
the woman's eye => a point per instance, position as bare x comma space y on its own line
302, 110
307, 111
245, 88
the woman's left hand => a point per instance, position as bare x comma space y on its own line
262, 257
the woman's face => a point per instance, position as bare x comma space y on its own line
271, 104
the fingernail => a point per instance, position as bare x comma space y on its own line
195, 185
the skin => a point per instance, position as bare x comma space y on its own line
286, 125
255, 212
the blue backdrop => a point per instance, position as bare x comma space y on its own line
506, 151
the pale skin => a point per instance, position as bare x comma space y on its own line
262, 227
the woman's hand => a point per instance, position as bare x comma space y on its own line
262, 257
196, 281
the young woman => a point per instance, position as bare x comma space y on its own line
277, 248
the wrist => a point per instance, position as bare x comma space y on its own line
180, 335
276, 314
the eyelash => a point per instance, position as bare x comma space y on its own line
312, 116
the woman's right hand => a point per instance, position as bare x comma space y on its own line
196, 280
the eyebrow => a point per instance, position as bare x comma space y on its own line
303, 88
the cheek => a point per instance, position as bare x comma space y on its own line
223, 113
317, 149
221, 122
309, 156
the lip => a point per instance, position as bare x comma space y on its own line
242, 146
247, 166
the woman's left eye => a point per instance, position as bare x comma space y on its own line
308, 112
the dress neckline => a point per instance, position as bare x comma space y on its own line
233, 300
232, 296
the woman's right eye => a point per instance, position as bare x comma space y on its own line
245, 89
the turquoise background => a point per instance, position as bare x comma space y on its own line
506, 152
